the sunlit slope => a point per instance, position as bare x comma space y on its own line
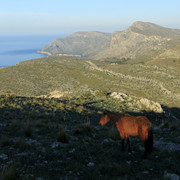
139, 39
157, 82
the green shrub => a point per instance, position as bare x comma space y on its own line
83, 128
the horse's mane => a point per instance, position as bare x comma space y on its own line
115, 116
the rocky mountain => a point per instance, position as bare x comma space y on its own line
140, 39
79, 44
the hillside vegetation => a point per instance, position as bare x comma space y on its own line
61, 76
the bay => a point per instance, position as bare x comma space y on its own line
14, 49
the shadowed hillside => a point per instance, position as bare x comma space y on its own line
43, 138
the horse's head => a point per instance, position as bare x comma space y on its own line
104, 118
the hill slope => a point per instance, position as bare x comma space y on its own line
53, 76
139, 39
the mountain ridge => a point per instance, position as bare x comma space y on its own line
138, 39
152, 29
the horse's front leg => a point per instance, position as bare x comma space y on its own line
122, 144
122, 140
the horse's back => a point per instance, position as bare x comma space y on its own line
132, 124
143, 120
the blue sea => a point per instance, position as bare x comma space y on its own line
14, 49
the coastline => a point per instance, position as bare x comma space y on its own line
65, 55
2, 67
44, 52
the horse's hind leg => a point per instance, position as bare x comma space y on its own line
144, 140
145, 154
128, 143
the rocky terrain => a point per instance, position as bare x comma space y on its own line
140, 39
60, 138
49, 119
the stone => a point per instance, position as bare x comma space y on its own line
171, 176
108, 140
168, 146
3, 156
91, 164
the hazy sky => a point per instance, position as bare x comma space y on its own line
68, 16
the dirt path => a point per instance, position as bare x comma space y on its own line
152, 82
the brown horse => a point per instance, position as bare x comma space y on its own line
129, 125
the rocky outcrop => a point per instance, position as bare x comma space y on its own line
140, 103
171, 176
150, 105
56, 94
130, 44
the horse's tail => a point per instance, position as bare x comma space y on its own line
149, 141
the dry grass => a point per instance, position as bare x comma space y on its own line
156, 80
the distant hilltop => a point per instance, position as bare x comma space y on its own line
140, 39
